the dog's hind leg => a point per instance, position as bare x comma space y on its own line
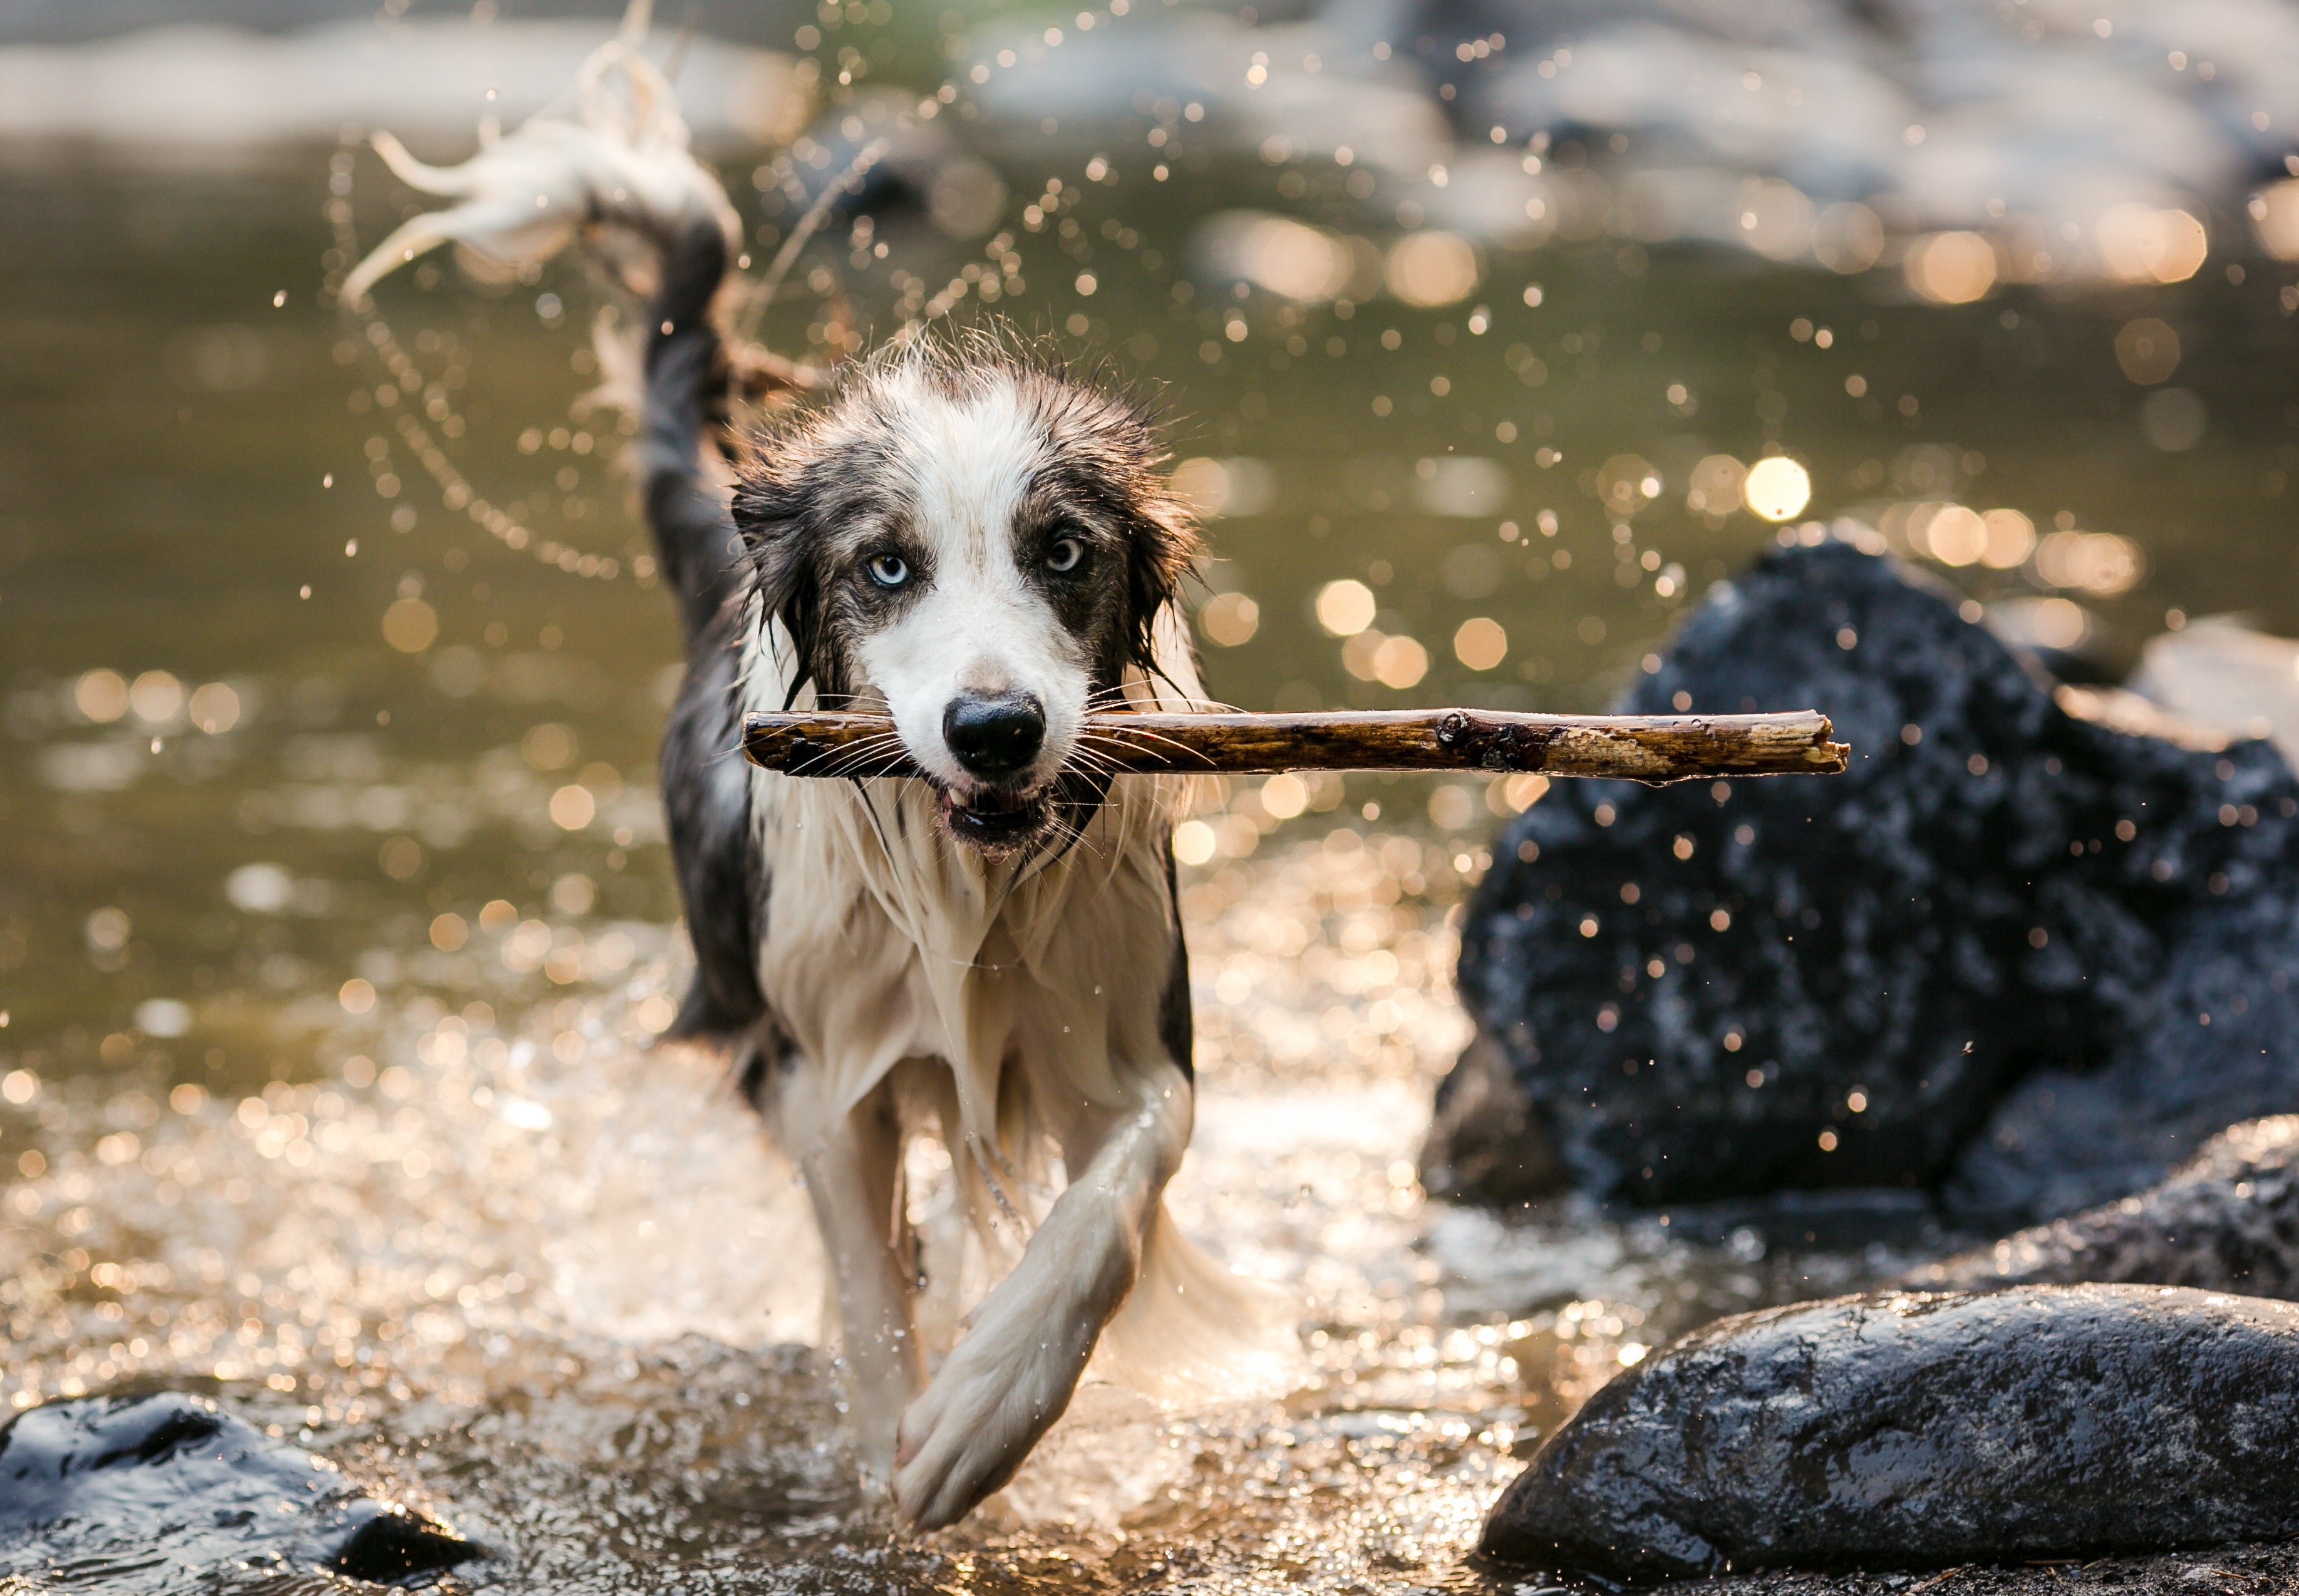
1013, 1372
853, 1174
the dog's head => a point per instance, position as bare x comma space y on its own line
981, 542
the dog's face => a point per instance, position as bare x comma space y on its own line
985, 545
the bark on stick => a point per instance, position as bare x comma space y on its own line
1638, 747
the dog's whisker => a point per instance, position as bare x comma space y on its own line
1131, 735
843, 759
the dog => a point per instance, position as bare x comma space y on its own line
973, 541
976, 542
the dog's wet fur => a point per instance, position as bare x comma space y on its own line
984, 547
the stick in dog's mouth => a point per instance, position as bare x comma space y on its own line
1639, 748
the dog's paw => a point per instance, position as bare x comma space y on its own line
1004, 1386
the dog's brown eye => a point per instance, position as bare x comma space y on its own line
889, 570
1065, 555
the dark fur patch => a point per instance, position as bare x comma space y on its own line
705, 783
1176, 1023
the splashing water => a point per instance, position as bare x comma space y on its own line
556, 1288
334, 930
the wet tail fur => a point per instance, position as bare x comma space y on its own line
705, 783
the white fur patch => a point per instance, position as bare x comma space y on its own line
964, 463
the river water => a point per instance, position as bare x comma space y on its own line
336, 923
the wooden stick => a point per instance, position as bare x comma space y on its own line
1654, 749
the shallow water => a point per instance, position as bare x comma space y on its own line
326, 1081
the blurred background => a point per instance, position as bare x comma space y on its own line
1490, 336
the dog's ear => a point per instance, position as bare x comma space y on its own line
1163, 542
774, 517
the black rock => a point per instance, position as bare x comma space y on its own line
1719, 989
114, 1483
2229, 1221
2218, 1044
1922, 1430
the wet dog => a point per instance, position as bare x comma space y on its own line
983, 548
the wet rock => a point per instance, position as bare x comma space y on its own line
116, 1483
1920, 1431
1485, 1138
2169, 1573
2228, 1220
2012, 952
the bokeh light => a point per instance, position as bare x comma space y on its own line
156, 697
2147, 350
215, 709
1777, 488
1951, 269
1346, 607
1229, 619
1284, 796
410, 626
102, 696
1432, 268
1481, 643
1956, 536
2173, 419
2097, 562
2275, 215
1399, 663
1275, 252
1847, 237
1717, 485
2140, 244
2011, 540
1776, 219
1216, 488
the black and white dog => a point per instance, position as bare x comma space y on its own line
971, 542
983, 548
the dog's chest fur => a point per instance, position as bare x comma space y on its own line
883, 938
885, 941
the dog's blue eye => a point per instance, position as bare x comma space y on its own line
889, 570
1065, 555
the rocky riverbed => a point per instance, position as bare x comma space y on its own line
537, 1331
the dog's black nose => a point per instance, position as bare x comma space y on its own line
994, 738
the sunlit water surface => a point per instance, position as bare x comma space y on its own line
336, 923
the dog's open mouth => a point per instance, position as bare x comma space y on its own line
995, 821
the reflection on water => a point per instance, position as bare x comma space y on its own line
334, 918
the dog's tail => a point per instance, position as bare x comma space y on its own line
621, 169
1192, 1332
705, 783
682, 414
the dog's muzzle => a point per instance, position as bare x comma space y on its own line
996, 739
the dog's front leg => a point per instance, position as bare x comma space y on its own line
1012, 1373
852, 1177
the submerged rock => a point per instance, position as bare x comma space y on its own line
2229, 1221
2012, 952
119, 1481
1918, 1431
